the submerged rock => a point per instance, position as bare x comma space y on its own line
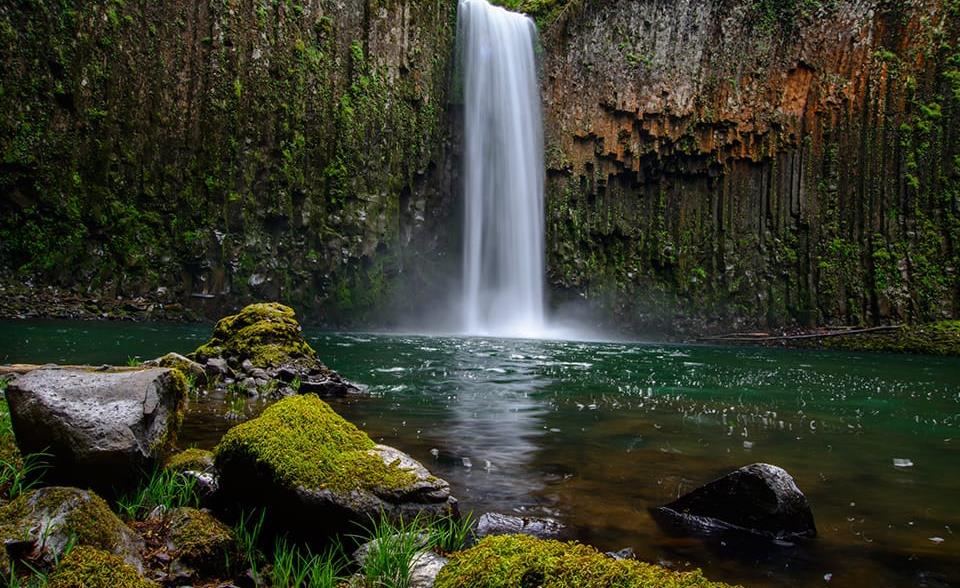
493, 523
316, 471
263, 347
42, 523
99, 429
759, 498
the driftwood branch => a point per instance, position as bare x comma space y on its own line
758, 337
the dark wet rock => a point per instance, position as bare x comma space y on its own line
44, 522
100, 430
625, 553
759, 498
319, 473
332, 386
493, 523
217, 368
287, 374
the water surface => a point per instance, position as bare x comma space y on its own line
597, 433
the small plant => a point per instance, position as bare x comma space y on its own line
191, 379
167, 489
22, 475
450, 533
247, 532
134, 361
392, 549
293, 568
295, 384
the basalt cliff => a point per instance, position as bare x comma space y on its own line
719, 164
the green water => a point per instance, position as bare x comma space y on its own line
596, 433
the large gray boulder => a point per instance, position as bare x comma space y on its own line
761, 499
318, 473
41, 524
100, 429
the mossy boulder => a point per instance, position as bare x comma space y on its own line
263, 347
89, 567
190, 460
519, 561
100, 429
267, 334
199, 541
316, 470
48, 519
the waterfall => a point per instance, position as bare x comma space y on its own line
503, 173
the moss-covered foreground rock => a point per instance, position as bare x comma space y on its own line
267, 334
200, 541
519, 561
88, 567
49, 519
301, 456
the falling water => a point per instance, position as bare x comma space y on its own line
504, 170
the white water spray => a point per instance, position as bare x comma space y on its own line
504, 173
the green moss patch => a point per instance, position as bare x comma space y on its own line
89, 567
940, 338
267, 334
518, 561
88, 517
200, 540
303, 442
190, 459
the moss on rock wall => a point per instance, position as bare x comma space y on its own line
223, 151
755, 163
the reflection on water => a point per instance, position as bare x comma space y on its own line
495, 420
597, 433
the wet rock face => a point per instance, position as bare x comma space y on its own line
101, 429
739, 161
493, 523
760, 498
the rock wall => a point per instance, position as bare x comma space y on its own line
717, 163
221, 151
754, 162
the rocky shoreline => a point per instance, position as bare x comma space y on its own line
941, 338
103, 497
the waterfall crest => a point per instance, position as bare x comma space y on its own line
503, 171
